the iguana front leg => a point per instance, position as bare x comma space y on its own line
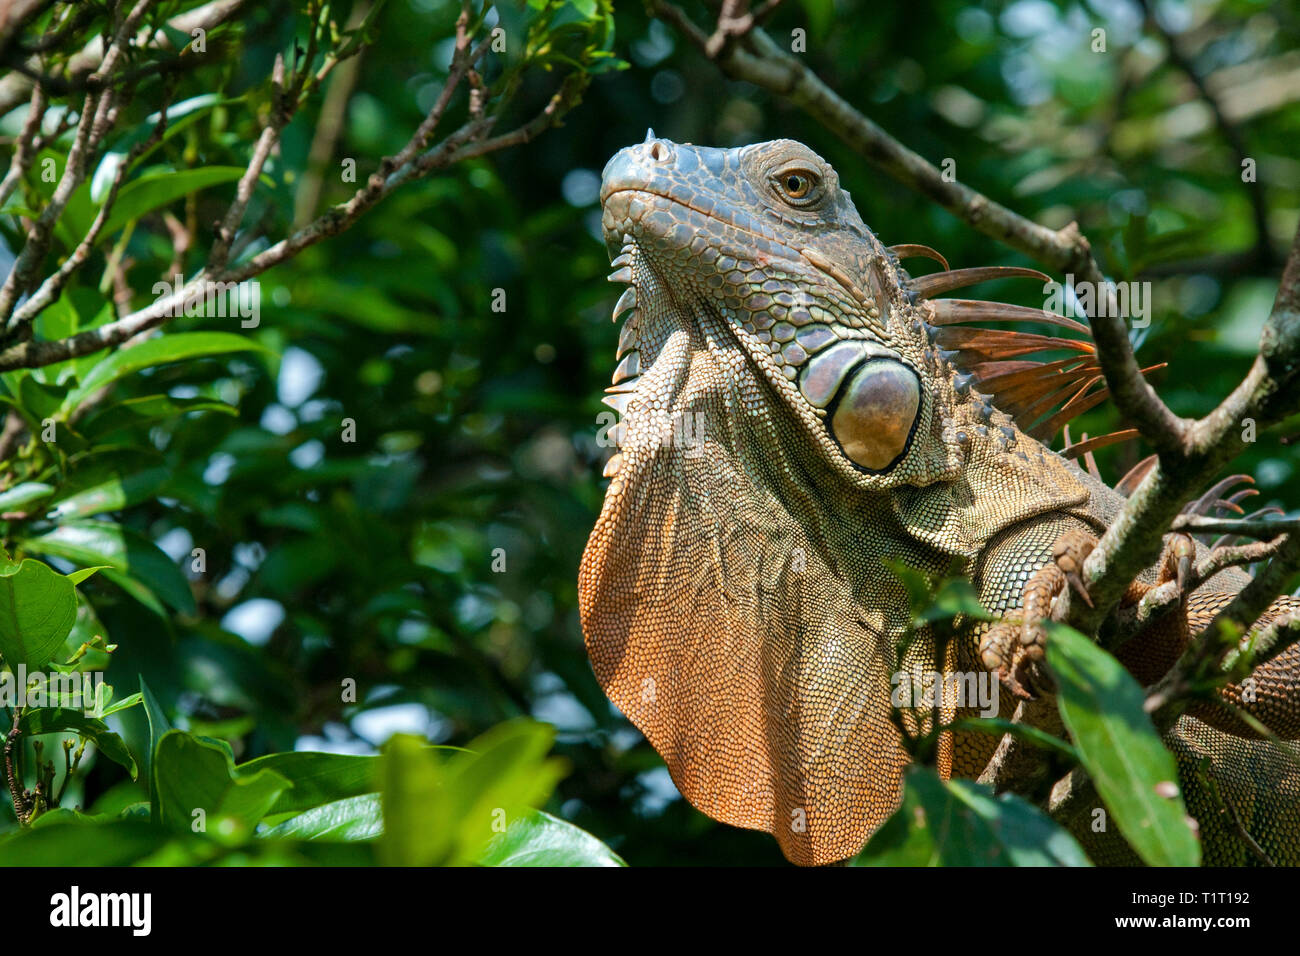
1014, 648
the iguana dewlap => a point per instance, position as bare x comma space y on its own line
796, 411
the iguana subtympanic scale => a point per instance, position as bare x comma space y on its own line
797, 413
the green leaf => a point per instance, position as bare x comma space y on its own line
138, 591
411, 780
21, 495
361, 304
57, 815
124, 704
317, 778
352, 818
961, 823
193, 773
58, 320
40, 401
69, 838
106, 487
998, 726
136, 412
176, 347
158, 725
933, 600
1101, 705
441, 809
38, 607
53, 720
955, 596
179, 116
124, 552
76, 577
159, 187
535, 838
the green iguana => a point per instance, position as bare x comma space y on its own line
796, 412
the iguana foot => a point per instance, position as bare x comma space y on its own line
1015, 647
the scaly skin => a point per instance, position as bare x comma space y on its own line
788, 428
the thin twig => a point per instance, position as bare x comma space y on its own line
49, 289
97, 117
16, 791
25, 150
17, 86
1263, 528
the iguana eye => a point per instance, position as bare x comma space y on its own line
875, 413
796, 184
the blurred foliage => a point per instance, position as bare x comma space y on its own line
432, 560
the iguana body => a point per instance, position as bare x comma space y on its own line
797, 413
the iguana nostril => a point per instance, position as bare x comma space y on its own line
659, 153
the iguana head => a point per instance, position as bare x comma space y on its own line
791, 419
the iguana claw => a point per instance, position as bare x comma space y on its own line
1070, 551
1015, 647
1177, 561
